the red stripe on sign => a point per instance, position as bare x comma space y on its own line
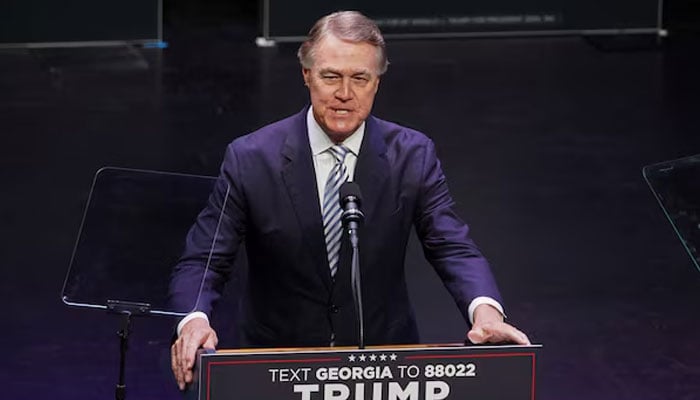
470, 356
273, 361
533, 378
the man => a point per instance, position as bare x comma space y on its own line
277, 189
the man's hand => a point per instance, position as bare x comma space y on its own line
194, 334
489, 328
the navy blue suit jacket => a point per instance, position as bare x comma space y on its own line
267, 188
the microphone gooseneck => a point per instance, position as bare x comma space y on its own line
352, 216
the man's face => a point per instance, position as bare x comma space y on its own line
342, 83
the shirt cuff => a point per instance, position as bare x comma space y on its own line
189, 317
477, 302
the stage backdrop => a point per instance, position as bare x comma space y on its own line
32, 21
290, 20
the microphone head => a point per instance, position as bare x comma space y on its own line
350, 189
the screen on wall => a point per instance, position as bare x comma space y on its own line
294, 18
31, 21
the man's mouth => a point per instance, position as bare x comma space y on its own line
341, 111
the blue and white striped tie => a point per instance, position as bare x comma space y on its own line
332, 225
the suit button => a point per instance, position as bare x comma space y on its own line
334, 309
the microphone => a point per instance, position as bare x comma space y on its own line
350, 203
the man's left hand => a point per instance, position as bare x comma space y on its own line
489, 327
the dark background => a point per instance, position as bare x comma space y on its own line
23, 21
542, 141
293, 18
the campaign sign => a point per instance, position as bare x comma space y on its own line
382, 373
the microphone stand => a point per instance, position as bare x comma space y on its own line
350, 201
356, 282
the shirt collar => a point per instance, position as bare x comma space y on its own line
320, 142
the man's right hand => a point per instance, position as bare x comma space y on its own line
194, 334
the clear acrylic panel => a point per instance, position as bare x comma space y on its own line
676, 185
132, 235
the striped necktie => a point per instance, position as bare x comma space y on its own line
332, 225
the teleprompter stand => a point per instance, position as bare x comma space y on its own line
126, 310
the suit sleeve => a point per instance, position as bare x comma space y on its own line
445, 239
211, 245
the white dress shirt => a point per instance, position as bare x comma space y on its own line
323, 159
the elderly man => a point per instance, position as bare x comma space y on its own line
278, 192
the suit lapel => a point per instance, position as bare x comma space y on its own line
372, 168
298, 174
299, 177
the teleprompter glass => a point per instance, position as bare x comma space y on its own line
132, 236
676, 186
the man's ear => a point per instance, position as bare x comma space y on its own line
306, 73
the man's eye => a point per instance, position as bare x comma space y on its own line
330, 77
360, 78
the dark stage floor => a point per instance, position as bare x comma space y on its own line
542, 140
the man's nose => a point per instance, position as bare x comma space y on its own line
344, 92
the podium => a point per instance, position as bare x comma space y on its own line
432, 372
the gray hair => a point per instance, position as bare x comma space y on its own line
351, 26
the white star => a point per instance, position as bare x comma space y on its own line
382, 357
393, 357
363, 358
351, 358
373, 358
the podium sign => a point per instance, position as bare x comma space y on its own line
381, 373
